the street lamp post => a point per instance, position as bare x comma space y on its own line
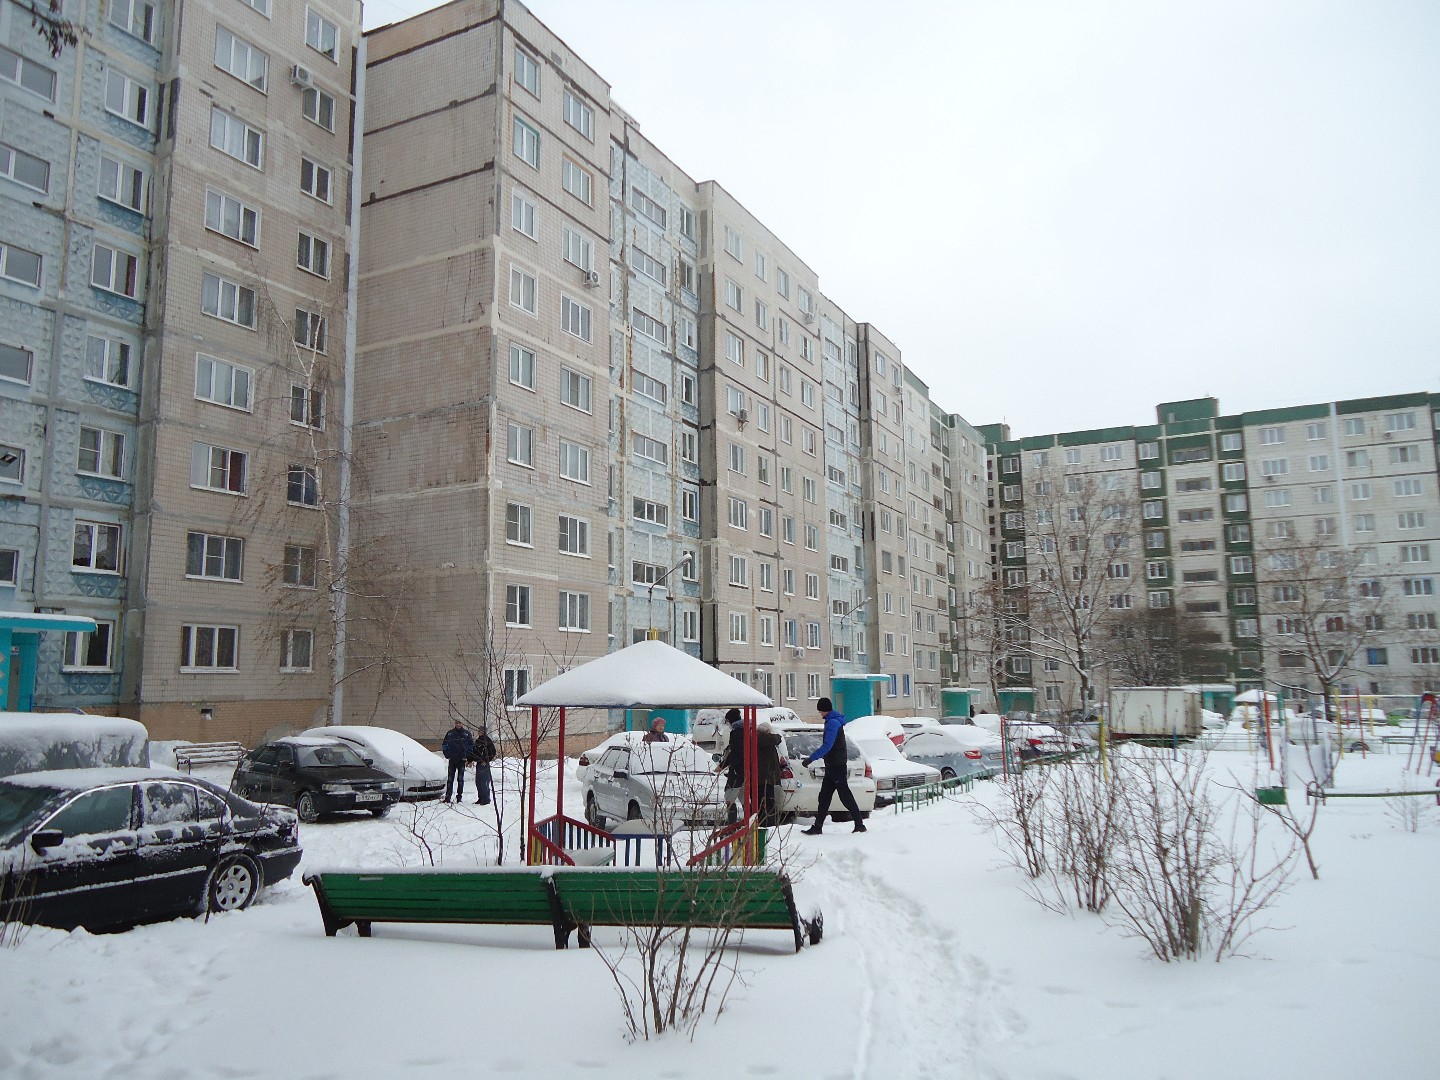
845, 617
653, 634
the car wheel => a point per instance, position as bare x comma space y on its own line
305, 807
633, 814
947, 773
592, 812
379, 811
1362, 747
233, 884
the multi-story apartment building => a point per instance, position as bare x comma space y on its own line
178, 252
1286, 542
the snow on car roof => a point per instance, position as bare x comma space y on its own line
386, 740
76, 779
306, 740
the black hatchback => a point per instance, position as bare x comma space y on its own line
109, 848
315, 776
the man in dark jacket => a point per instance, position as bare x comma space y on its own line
457, 748
836, 756
733, 765
484, 755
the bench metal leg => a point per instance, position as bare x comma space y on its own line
364, 927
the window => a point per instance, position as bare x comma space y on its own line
27, 74
307, 406
1418, 586
107, 360
1152, 510
227, 300
96, 547
1360, 490
1400, 421
575, 389
734, 295
689, 625
574, 462
1410, 519
209, 648
1319, 462
649, 208
648, 325
241, 59
519, 445
582, 118
689, 446
522, 367
119, 183
649, 449
1357, 459
517, 605
645, 386
526, 143
649, 511
115, 271
1242, 564
231, 135
19, 264
208, 555
575, 318
313, 255
523, 290
90, 650
517, 684
302, 485
12, 464
652, 268
217, 468
16, 364
1272, 436
527, 71
576, 181
1414, 553
739, 513
102, 453
1377, 657
574, 612
1364, 522
1274, 466
739, 628
127, 99
298, 568
690, 504
228, 216
739, 570
26, 169
1159, 600
315, 180
517, 524
1407, 487
310, 331
812, 586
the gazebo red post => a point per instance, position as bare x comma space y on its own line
752, 764
560, 769
534, 759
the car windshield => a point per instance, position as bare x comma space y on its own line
879, 748
670, 757
327, 757
18, 806
802, 744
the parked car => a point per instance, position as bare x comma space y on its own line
957, 751
315, 776
1029, 738
588, 757
891, 770
109, 848
800, 784
711, 732
420, 772
665, 785
887, 727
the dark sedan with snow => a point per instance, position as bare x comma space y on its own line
315, 776
109, 848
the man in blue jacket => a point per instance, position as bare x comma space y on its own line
836, 756
458, 747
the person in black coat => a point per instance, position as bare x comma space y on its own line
458, 747
836, 755
484, 754
733, 765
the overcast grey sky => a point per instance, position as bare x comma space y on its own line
1064, 213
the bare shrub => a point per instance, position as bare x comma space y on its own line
15, 888
1190, 875
1088, 818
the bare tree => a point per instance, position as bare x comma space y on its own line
988, 609
1081, 537
49, 22
1157, 647
1328, 601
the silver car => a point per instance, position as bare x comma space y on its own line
957, 751
664, 785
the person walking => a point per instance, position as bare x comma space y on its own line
457, 748
836, 755
732, 762
484, 755
768, 751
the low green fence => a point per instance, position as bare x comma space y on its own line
916, 797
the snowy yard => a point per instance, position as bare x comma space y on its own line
933, 965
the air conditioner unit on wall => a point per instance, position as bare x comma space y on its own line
808, 316
798, 654
301, 76
592, 278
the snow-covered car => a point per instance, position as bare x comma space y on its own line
957, 751
1029, 738
108, 848
891, 770
800, 783
315, 776
419, 771
914, 724
711, 732
664, 785
887, 727
588, 758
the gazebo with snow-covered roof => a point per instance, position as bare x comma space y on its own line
647, 675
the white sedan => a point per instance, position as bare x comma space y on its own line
419, 771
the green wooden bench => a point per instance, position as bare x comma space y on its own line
565, 899
499, 895
744, 898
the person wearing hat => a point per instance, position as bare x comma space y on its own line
836, 756
733, 765
657, 731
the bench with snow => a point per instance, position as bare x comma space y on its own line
566, 899
1317, 792
188, 755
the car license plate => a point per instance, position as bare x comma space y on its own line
368, 796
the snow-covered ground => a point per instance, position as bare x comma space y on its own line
933, 965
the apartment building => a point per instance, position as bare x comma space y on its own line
178, 347
1232, 518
